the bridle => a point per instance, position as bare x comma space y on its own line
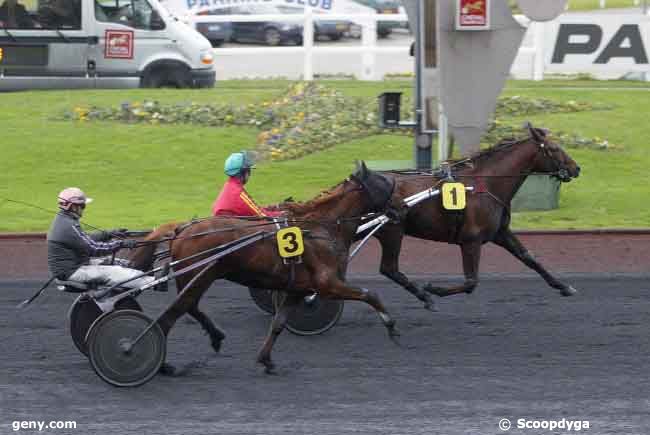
560, 170
377, 204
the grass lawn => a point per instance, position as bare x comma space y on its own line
584, 5
142, 175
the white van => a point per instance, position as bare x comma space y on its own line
50, 44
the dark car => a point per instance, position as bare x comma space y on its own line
384, 28
269, 32
331, 29
216, 33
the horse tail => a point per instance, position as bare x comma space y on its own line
144, 256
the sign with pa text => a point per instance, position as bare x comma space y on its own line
598, 43
472, 15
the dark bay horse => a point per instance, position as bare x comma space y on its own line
329, 223
496, 174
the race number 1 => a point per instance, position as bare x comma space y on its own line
453, 196
290, 242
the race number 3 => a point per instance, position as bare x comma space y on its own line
290, 242
453, 196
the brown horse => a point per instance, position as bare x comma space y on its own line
496, 174
329, 223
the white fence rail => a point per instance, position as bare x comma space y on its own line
368, 49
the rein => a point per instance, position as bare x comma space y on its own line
322, 222
271, 221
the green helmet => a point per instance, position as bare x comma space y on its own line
237, 162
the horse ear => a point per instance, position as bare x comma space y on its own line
363, 169
536, 134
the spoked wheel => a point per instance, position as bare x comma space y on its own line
83, 313
314, 315
115, 356
263, 298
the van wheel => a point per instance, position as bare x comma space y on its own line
169, 77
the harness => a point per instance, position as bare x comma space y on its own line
446, 173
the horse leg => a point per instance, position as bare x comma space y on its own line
471, 252
286, 305
181, 306
216, 334
391, 245
507, 240
338, 290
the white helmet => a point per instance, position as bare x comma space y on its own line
72, 195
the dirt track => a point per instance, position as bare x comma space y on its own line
514, 349
572, 252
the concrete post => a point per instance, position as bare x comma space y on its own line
308, 44
368, 58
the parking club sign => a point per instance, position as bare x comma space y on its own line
472, 14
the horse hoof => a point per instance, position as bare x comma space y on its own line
428, 303
568, 291
216, 345
394, 336
269, 369
429, 289
167, 369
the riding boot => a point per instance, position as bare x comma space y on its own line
163, 285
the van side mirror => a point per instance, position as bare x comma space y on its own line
156, 22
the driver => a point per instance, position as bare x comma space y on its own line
70, 249
233, 199
13, 15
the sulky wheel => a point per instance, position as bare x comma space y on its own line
115, 356
314, 315
263, 299
84, 311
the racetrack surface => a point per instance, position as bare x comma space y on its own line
513, 349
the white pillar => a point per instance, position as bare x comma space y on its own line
308, 44
540, 54
602, 4
368, 41
443, 135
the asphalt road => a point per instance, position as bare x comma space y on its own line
514, 349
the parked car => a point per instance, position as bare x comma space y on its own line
384, 28
216, 33
331, 29
268, 32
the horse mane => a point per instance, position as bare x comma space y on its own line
502, 145
312, 205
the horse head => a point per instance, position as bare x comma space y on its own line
552, 158
377, 186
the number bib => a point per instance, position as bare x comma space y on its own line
453, 196
290, 242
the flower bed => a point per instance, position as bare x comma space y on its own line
309, 117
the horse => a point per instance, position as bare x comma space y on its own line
496, 175
329, 223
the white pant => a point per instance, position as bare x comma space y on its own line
110, 275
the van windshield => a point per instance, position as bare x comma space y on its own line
132, 13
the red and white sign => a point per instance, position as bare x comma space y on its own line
472, 15
119, 44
